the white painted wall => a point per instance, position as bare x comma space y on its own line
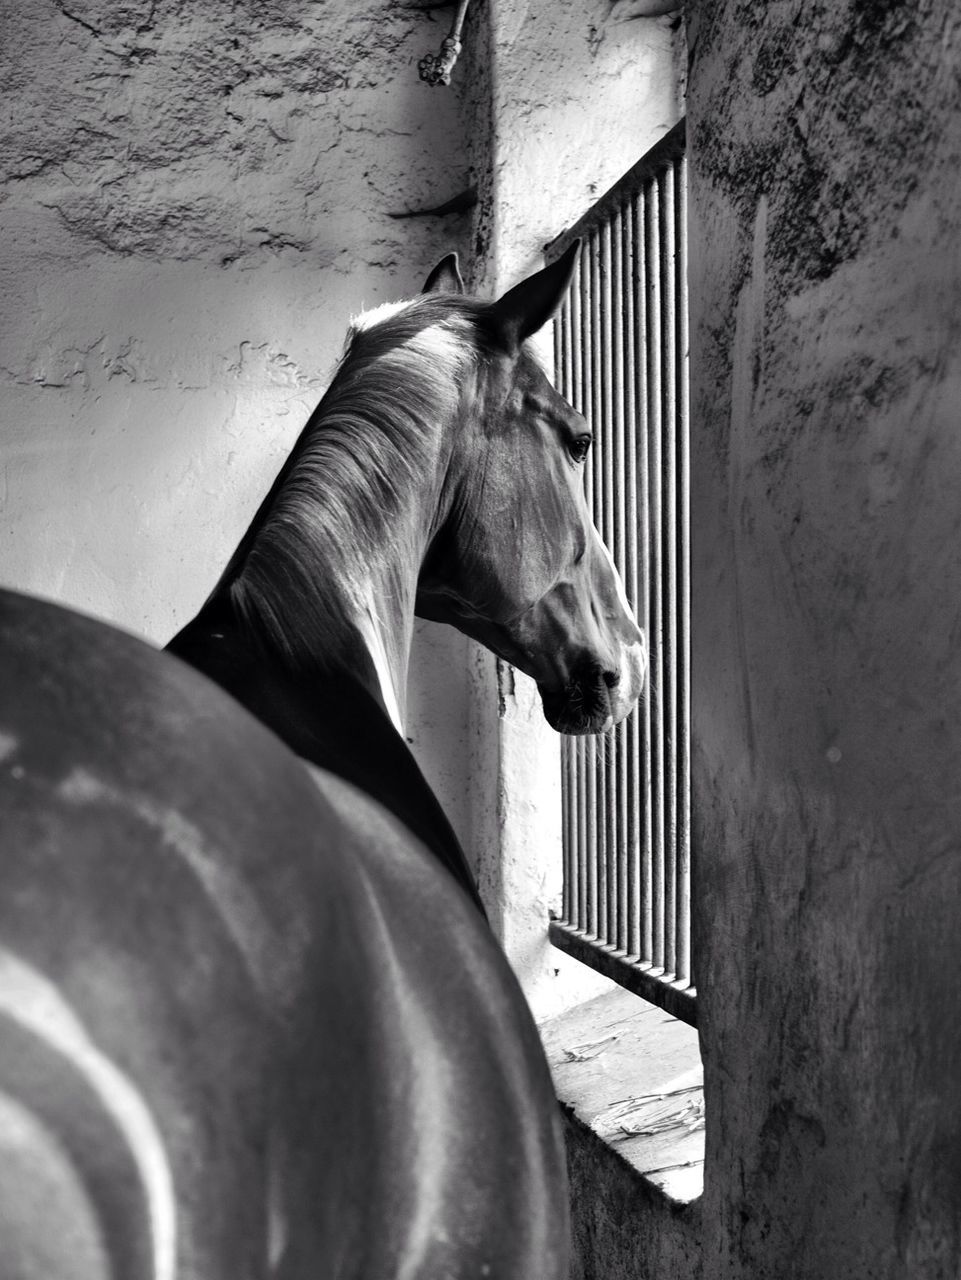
191, 209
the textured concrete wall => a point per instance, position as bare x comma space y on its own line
826, 391
622, 1227
193, 203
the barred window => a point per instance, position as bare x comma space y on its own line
621, 358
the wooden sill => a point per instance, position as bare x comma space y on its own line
632, 1074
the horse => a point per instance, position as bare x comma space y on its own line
250, 1024
440, 476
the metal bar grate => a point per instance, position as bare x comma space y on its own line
621, 345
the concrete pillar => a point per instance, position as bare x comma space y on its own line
827, 666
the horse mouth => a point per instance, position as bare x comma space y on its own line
584, 704
594, 697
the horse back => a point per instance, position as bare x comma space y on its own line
248, 1026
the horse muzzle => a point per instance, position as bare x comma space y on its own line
596, 696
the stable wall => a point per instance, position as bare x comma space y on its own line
826, 273
192, 206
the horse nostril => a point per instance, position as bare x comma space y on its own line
611, 678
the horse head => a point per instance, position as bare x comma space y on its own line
515, 560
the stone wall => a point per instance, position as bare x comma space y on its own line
827, 458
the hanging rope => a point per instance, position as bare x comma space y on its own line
436, 69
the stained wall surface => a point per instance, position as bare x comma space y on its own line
826, 279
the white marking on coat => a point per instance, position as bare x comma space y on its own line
376, 315
28, 997
371, 635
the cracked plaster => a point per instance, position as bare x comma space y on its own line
178, 135
193, 202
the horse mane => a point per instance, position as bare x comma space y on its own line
334, 517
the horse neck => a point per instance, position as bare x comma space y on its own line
326, 576
329, 583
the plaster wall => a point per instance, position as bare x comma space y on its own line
193, 204
826, 273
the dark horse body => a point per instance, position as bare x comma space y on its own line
333, 720
248, 1027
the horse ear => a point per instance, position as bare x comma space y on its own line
445, 278
529, 305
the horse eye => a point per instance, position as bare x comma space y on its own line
580, 448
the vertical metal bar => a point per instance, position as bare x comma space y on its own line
641, 340
562, 375
684, 970
571, 777
606, 460
588, 750
633, 762
580, 918
655, 442
597, 476
619, 492
669, 508
558, 344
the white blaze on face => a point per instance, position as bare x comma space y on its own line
619, 585
632, 658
